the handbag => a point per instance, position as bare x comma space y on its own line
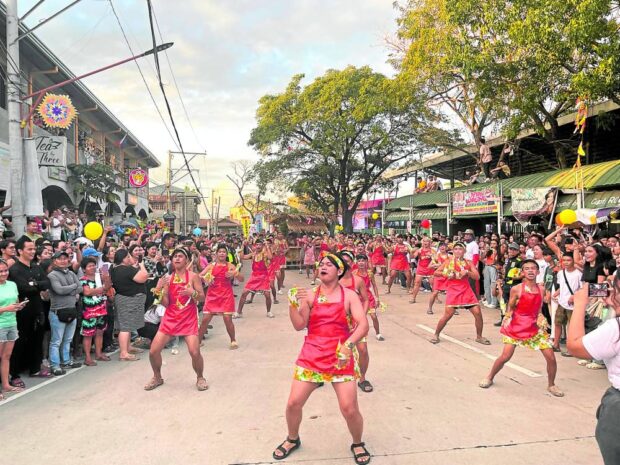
67, 315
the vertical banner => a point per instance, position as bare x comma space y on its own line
245, 226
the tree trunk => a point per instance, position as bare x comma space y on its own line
347, 220
560, 155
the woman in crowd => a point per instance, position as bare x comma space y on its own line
128, 278
377, 257
336, 322
9, 305
368, 277
601, 344
425, 256
399, 262
220, 299
439, 282
94, 311
180, 293
309, 253
259, 279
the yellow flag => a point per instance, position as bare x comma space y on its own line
580, 150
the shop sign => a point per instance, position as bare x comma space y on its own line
530, 202
51, 150
479, 202
138, 178
131, 199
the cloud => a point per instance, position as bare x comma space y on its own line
226, 55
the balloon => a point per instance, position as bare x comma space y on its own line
197, 232
375, 216
93, 230
558, 221
593, 219
568, 217
425, 224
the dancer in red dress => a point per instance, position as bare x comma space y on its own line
373, 292
377, 257
336, 321
425, 256
180, 291
281, 247
399, 262
439, 282
457, 272
524, 325
259, 279
220, 299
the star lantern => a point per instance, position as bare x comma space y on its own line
57, 111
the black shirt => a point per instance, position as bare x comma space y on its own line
591, 273
30, 281
122, 279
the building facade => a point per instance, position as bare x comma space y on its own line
183, 204
95, 136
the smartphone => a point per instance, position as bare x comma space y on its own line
598, 290
24, 302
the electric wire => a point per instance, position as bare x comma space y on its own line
161, 116
163, 91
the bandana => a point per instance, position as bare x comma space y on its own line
336, 261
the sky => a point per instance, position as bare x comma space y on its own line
226, 55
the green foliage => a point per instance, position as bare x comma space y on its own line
96, 182
333, 139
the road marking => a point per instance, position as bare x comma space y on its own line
514, 366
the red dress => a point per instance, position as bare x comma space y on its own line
440, 282
372, 302
259, 279
399, 258
425, 257
220, 297
522, 324
376, 257
458, 291
328, 326
279, 259
181, 317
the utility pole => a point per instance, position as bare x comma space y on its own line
213, 221
14, 110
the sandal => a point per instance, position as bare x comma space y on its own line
429, 312
365, 386
154, 383
485, 383
129, 358
286, 452
360, 455
555, 391
18, 383
14, 389
233, 345
434, 340
90, 363
483, 340
201, 384
135, 350
103, 358
44, 373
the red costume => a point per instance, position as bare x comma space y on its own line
220, 297
181, 316
399, 258
458, 291
522, 323
376, 257
259, 279
425, 257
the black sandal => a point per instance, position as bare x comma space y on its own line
286, 453
358, 457
365, 386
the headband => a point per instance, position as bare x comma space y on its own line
348, 254
182, 251
459, 244
335, 259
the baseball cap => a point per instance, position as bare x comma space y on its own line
59, 254
90, 252
469, 231
514, 245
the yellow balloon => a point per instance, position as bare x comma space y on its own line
568, 217
375, 216
593, 219
93, 230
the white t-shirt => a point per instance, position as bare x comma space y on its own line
574, 280
604, 344
55, 229
471, 249
542, 267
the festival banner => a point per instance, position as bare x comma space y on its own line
538, 201
51, 150
479, 202
245, 225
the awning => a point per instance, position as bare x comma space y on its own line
430, 214
606, 199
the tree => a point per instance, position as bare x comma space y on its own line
96, 182
243, 175
333, 139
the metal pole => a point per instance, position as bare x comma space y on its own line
168, 200
500, 209
31, 10
45, 20
184, 211
14, 106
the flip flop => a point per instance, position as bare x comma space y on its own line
434, 340
555, 391
365, 386
14, 389
17, 382
153, 384
485, 383
484, 341
90, 363
103, 358
201, 384
130, 358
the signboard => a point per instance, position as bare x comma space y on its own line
245, 225
138, 178
51, 150
530, 202
131, 199
481, 202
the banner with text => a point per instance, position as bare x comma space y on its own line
530, 202
245, 225
51, 150
480, 202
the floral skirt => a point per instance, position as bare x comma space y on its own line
538, 341
311, 376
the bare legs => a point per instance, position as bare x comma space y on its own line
364, 359
245, 294
375, 322
158, 344
449, 313
87, 343
6, 348
394, 275
123, 343
206, 319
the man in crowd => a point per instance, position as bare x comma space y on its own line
485, 158
511, 276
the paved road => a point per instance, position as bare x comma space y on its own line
426, 408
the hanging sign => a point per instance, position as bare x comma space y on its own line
51, 151
138, 178
532, 202
478, 202
245, 225
56, 111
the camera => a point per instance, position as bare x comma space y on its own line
598, 290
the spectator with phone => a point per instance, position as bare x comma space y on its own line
9, 306
604, 344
